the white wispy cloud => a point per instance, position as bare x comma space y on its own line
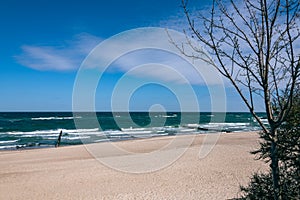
135, 44
151, 45
65, 57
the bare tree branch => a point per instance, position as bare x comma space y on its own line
254, 45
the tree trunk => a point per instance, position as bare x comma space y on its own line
275, 167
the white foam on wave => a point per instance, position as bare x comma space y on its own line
225, 124
137, 132
113, 133
70, 131
55, 118
230, 124
9, 141
57, 131
168, 116
8, 147
12, 146
78, 138
218, 126
133, 129
162, 130
191, 125
102, 140
185, 130
33, 133
263, 120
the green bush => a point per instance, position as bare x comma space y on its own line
288, 142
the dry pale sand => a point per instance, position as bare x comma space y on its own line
73, 173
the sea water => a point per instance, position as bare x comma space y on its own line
41, 129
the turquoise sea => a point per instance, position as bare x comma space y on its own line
20, 130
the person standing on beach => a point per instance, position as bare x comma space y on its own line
58, 140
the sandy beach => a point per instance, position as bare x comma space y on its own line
73, 172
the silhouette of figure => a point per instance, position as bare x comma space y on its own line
58, 140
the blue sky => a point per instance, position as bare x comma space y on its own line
43, 43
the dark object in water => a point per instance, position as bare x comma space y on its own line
217, 130
58, 139
19, 147
202, 129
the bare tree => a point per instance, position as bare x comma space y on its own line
253, 43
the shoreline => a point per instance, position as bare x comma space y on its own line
71, 172
37, 129
22, 148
